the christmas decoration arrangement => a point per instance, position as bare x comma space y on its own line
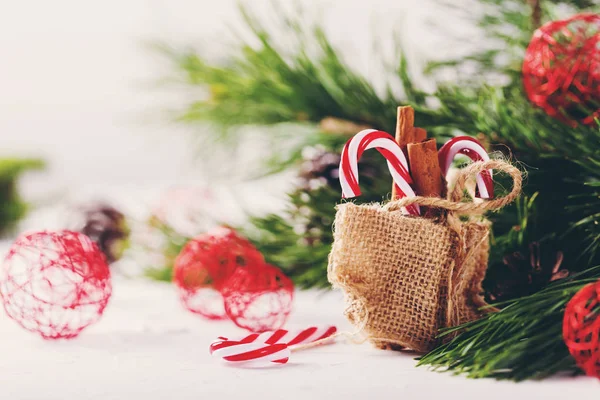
55, 283
531, 93
221, 275
412, 267
455, 266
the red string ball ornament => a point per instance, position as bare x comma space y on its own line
561, 69
205, 263
258, 299
55, 283
581, 328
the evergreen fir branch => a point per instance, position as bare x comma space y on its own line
302, 257
267, 85
521, 341
299, 241
562, 160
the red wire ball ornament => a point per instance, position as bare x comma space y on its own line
55, 283
581, 328
258, 299
561, 69
205, 263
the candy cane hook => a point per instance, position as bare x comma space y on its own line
471, 148
387, 146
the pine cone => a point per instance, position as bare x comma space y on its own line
106, 226
525, 273
320, 168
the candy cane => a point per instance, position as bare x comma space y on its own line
295, 338
471, 148
260, 349
387, 146
250, 354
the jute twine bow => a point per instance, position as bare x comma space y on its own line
454, 201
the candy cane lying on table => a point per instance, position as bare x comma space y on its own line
260, 349
387, 146
250, 353
471, 148
292, 338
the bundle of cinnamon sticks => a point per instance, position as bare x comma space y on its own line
422, 156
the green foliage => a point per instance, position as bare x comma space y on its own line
12, 207
266, 83
299, 242
521, 341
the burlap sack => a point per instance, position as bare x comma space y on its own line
466, 300
406, 277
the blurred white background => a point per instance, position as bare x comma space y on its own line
78, 83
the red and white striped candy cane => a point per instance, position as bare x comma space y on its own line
471, 148
292, 338
261, 349
387, 146
250, 353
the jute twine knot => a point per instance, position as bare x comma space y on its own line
454, 202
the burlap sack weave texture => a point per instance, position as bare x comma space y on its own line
406, 277
465, 299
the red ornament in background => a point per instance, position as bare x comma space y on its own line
561, 69
258, 299
205, 263
581, 328
55, 283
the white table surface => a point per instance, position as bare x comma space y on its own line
148, 347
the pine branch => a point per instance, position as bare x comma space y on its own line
268, 84
299, 241
521, 341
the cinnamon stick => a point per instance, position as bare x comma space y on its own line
404, 133
419, 135
425, 171
404, 126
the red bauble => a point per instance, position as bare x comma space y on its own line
205, 263
55, 283
561, 70
581, 328
258, 299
